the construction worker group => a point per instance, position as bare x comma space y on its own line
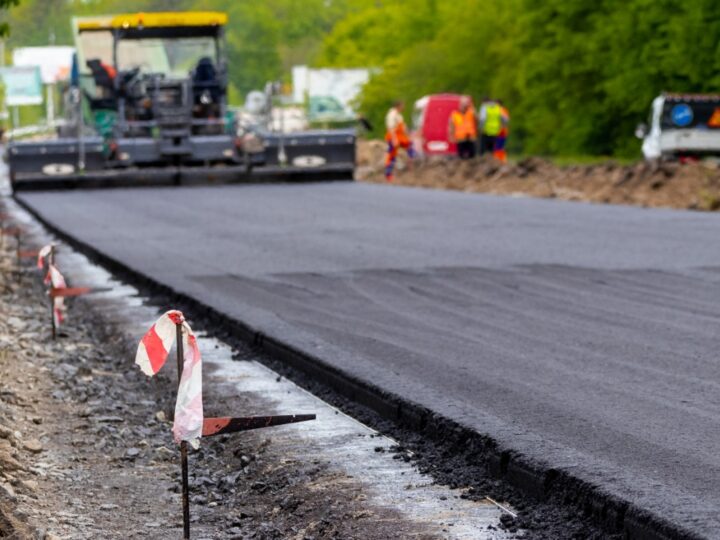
484, 133
473, 133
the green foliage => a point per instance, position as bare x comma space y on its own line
253, 35
44, 22
4, 26
264, 38
422, 47
576, 75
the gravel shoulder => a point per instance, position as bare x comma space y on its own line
86, 453
83, 451
693, 186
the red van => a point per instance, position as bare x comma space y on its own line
431, 115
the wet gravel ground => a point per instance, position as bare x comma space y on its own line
86, 452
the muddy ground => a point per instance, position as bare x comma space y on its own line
694, 186
86, 452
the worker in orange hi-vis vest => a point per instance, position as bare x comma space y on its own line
396, 137
462, 129
499, 151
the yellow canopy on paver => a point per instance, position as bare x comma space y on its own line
157, 20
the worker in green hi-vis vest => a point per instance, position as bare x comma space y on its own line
491, 123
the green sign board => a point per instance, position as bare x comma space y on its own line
22, 85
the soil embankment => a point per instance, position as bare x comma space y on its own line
694, 186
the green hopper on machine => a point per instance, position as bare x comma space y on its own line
147, 105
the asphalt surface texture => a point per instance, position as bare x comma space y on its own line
582, 336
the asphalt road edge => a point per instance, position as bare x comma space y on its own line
535, 479
171, 177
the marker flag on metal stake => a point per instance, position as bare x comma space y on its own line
189, 424
44, 252
189, 419
151, 355
57, 281
55, 278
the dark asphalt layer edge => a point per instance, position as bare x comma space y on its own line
191, 176
536, 480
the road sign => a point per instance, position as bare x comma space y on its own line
682, 115
23, 86
714, 121
54, 62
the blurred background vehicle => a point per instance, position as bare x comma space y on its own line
150, 90
430, 124
682, 126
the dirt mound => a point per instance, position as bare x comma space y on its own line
692, 186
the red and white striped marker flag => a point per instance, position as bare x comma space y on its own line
44, 252
56, 280
151, 355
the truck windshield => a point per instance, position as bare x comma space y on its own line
94, 45
173, 57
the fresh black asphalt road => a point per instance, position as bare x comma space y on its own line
584, 336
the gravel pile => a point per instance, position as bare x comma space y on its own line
694, 186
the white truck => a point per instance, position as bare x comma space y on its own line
681, 126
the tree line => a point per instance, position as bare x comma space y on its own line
265, 39
577, 76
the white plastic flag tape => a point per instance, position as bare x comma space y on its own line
151, 356
42, 254
56, 280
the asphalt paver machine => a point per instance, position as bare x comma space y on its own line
147, 104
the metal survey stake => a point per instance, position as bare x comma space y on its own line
52, 317
228, 424
62, 291
183, 444
18, 242
19, 253
28, 254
